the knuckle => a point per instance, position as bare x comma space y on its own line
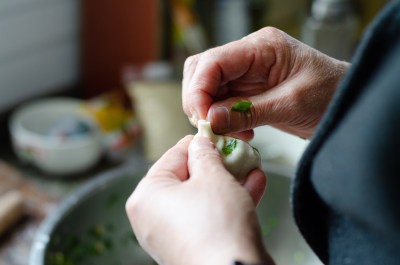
266, 35
275, 37
132, 205
205, 159
246, 120
137, 199
190, 65
206, 155
272, 33
190, 61
251, 118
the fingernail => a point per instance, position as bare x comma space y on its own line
220, 117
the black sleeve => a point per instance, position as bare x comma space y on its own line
345, 196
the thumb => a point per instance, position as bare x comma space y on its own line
204, 159
266, 108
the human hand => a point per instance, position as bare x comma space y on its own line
189, 210
289, 84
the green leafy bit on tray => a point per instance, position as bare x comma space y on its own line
271, 223
97, 241
241, 106
112, 200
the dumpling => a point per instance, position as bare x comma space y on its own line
238, 156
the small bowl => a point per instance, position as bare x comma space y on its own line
30, 126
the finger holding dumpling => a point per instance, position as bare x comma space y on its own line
239, 157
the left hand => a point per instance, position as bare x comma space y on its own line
289, 83
190, 210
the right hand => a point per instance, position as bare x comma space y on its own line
190, 210
289, 83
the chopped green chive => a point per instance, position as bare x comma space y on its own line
112, 200
241, 106
97, 231
229, 147
255, 149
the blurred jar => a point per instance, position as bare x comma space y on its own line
332, 28
285, 15
232, 20
157, 101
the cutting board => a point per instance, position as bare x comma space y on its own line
16, 241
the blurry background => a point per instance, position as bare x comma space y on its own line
49, 46
87, 49
123, 60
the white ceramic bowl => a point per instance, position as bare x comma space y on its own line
29, 126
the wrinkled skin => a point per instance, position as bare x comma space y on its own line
289, 84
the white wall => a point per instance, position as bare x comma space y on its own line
39, 48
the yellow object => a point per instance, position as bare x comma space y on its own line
109, 112
116, 120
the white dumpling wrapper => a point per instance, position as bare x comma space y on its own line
243, 159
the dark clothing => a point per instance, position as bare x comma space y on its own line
346, 194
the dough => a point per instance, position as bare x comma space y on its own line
239, 156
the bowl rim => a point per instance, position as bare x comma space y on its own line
17, 130
134, 166
70, 202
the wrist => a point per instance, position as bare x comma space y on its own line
242, 263
247, 253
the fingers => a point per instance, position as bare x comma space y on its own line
174, 162
268, 107
255, 184
248, 60
193, 112
246, 136
204, 159
244, 68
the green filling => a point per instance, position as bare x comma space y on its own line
255, 149
241, 106
229, 147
